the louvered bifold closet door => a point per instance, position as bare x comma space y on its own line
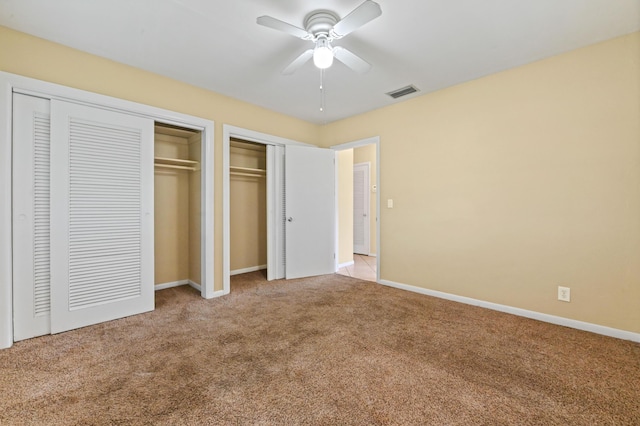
276, 219
102, 215
31, 245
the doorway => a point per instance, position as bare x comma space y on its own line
358, 209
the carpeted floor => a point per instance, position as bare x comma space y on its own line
324, 350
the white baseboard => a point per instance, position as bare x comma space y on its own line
219, 293
170, 284
194, 285
566, 322
372, 255
249, 269
191, 284
342, 265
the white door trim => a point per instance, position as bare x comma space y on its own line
355, 144
10, 83
228, 132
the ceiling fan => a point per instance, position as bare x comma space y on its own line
323, 27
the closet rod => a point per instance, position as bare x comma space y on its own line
172, 166
246, 174
246, 169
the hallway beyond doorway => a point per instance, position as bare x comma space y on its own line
364, 268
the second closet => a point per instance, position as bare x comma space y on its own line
248, 206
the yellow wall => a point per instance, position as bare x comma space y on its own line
367, 154
508, 186
345, 206
37, 58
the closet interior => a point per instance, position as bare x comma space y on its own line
177, 204
248, 206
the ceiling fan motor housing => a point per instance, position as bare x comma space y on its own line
322, 27
320, 22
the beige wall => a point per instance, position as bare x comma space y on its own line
508, 186
367, 154
345, 206
37, 58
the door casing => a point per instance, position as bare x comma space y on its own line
355, 144
229, 132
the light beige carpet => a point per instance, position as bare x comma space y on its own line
325, 350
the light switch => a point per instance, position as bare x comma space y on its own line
389, 203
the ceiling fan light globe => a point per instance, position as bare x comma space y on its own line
323, 57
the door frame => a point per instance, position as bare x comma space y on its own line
228, 132
12, 83
374, 140
366, 166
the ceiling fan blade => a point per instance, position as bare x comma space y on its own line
367, 11
276, 24
298, 62
351, 60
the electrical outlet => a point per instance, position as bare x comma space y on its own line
564, 294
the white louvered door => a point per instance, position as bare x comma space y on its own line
101, 215
276, 220
31, 249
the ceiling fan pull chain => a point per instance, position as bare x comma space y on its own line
321, 90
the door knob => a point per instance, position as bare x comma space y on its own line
364, 214
290, 219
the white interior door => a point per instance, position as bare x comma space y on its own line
31, 243
361, 216
310, 231
101, 215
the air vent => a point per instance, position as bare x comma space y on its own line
404, 91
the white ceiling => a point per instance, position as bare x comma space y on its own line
217, 45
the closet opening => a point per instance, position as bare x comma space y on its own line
248, 206
177, 206
299, 204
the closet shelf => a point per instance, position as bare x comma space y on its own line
247, 171
176, 163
